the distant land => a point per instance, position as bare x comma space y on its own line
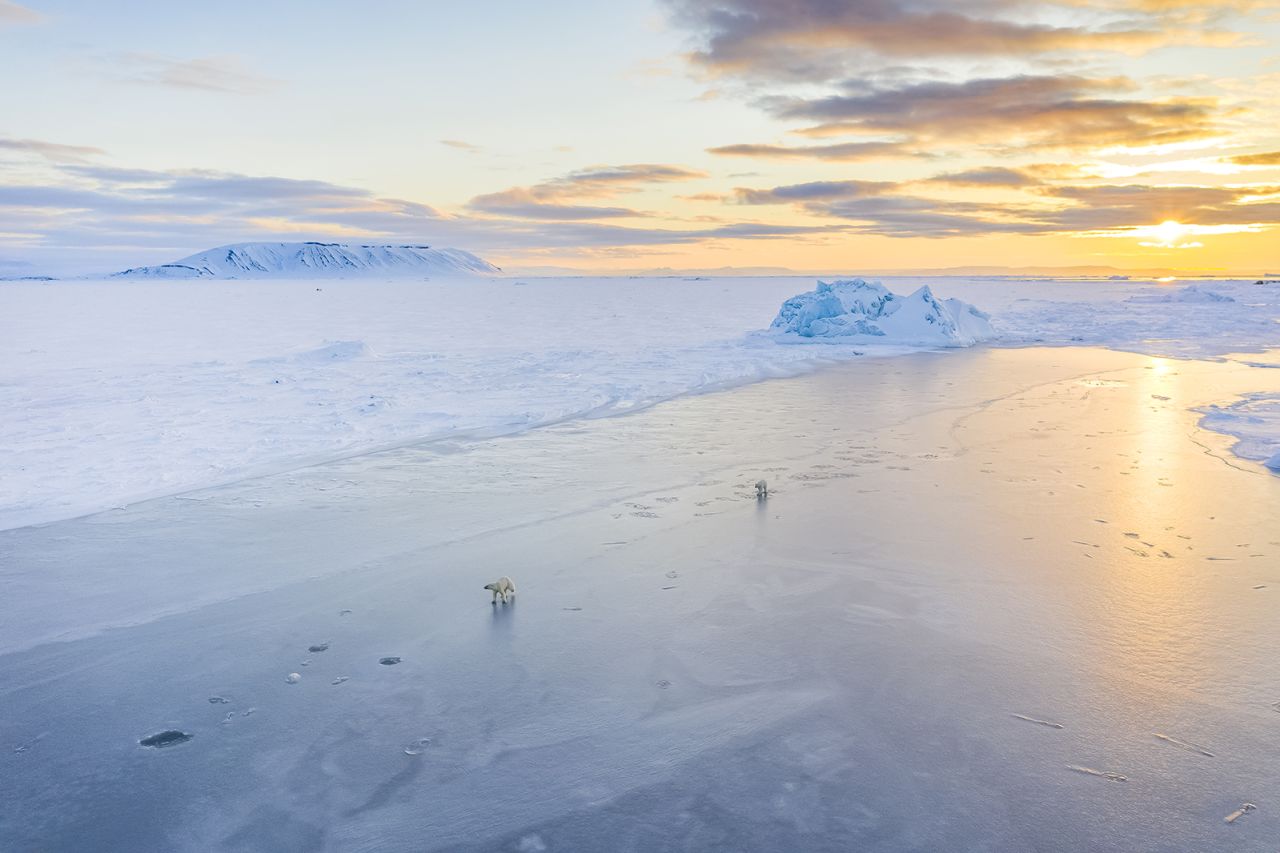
967, 271
314, 260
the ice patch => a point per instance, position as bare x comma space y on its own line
1254, 420
868, 312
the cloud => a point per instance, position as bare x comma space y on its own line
812, 191
882, 208
597, 181
844, 151
546, 200
125, 217
225, 74
522, 202
16, 13
1269, 158
823, 39
988, 176
1026, 110
53, 151
461, 146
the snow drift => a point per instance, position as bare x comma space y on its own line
868, 312
315, 260
1192, 294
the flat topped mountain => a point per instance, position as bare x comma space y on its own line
315, 260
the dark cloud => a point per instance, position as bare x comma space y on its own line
843, 152
883, 209
824, 39
1043, 110
812, 191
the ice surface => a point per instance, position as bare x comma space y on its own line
1255, 421
315, 260
836, 668
119, 390
868, 312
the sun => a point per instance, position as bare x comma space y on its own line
1169, 232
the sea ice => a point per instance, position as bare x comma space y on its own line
869, 312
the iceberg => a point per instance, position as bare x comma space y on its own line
868, 312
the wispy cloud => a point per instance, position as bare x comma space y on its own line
461, 145
16, 13
842, 151
549, 199
52, 151
225, 74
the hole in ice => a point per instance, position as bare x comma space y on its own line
389, 661
417, 747
169, 737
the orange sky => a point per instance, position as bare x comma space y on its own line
864, 135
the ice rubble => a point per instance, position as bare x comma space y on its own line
313, 260
869, 312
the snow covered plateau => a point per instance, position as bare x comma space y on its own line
315, 260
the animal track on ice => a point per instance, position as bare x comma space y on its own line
1039, 722
293, 678
1182, 744
219, 700
318, 647
1102, 774
340, 679
169, 737
389, 661
645, 514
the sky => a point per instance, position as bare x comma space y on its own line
812, 135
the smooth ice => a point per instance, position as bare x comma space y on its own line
996, 599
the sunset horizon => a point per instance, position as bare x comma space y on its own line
677, 134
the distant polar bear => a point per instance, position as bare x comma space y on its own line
762, 489
501, 587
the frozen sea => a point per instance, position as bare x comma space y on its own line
1013, 597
